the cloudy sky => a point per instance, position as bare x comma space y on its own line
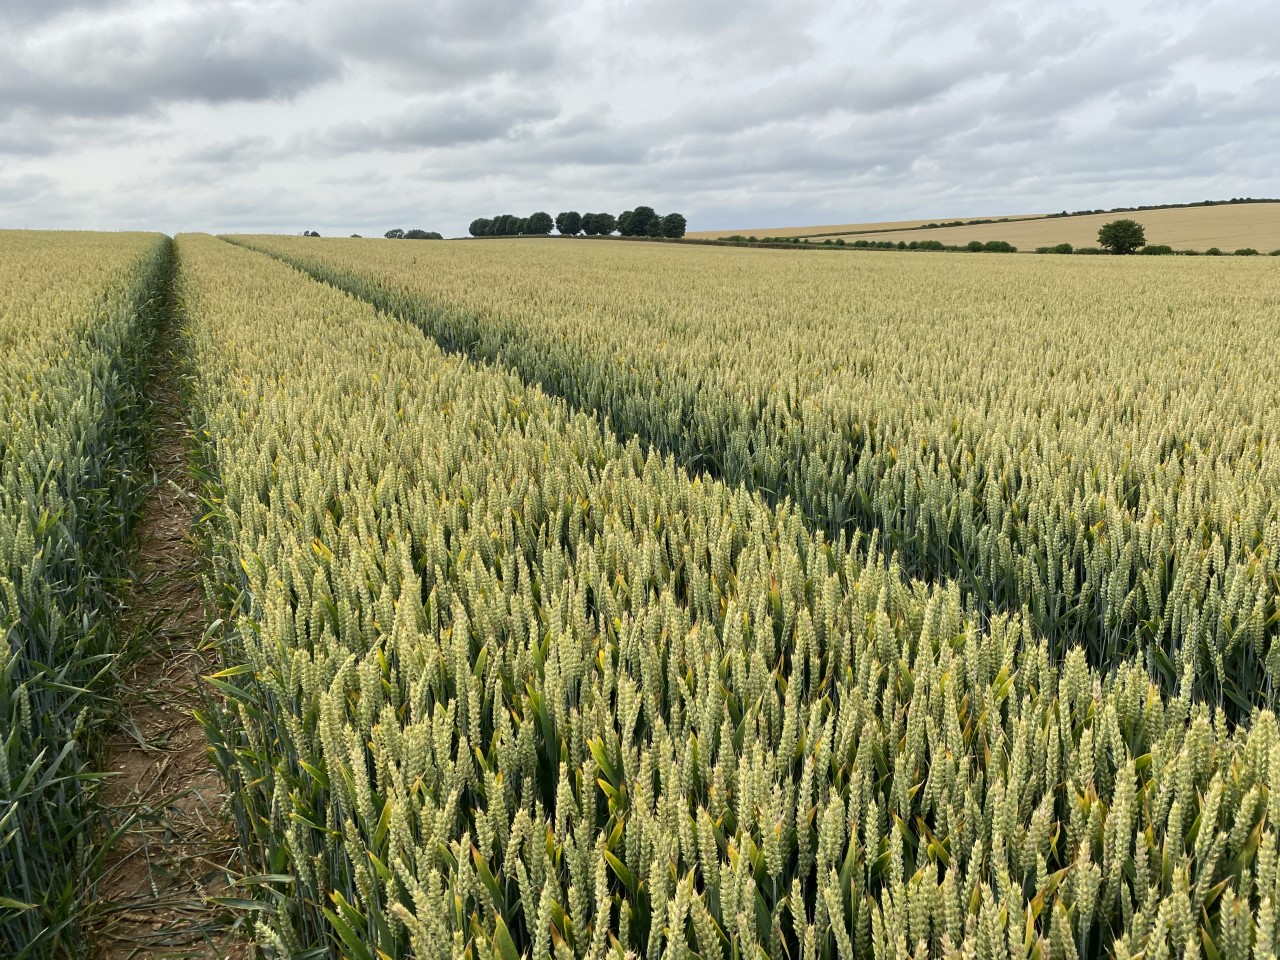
287, 115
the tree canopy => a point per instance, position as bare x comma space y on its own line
640, 222
569, 224
1122, 236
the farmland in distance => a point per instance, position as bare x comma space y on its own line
842, 228
1226, 226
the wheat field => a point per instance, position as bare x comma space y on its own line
619, 600
1228, 227
844, 228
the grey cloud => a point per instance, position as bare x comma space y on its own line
442, 41
120, 66
438, 122
322, 114
731, 34
1234, 32
25, 187
32, 201
27, 12
236, 151
17, 141
24, 133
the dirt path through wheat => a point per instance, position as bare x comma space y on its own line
178, 844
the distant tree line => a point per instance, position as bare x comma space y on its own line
592, 224
1165, 206
398, 234
640, 222
509, 225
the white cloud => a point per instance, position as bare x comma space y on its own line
321, 114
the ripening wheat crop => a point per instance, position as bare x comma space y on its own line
73, 319
1093, 444
501, 685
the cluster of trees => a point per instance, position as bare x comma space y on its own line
509, 225
644, 222
398, 234
640, 222
571, 223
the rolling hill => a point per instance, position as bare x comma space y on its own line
1228, 226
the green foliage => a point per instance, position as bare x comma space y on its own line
539, 224
569, 224
1157, 250
1246, 252
1113, 530
674, 226
78, 310
507, 225
598, 224
640, 222
502, 684
1122, 236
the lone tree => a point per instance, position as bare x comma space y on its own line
1122, 236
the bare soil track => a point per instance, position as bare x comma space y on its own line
176, 846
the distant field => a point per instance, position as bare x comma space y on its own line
838, 228
1226, 226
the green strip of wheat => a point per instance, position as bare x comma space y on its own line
74, 310
499, 685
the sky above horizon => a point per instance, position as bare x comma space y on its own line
284, 115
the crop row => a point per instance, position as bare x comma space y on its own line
499, 684
1093, 444
73, 336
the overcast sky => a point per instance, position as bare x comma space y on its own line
338, 116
